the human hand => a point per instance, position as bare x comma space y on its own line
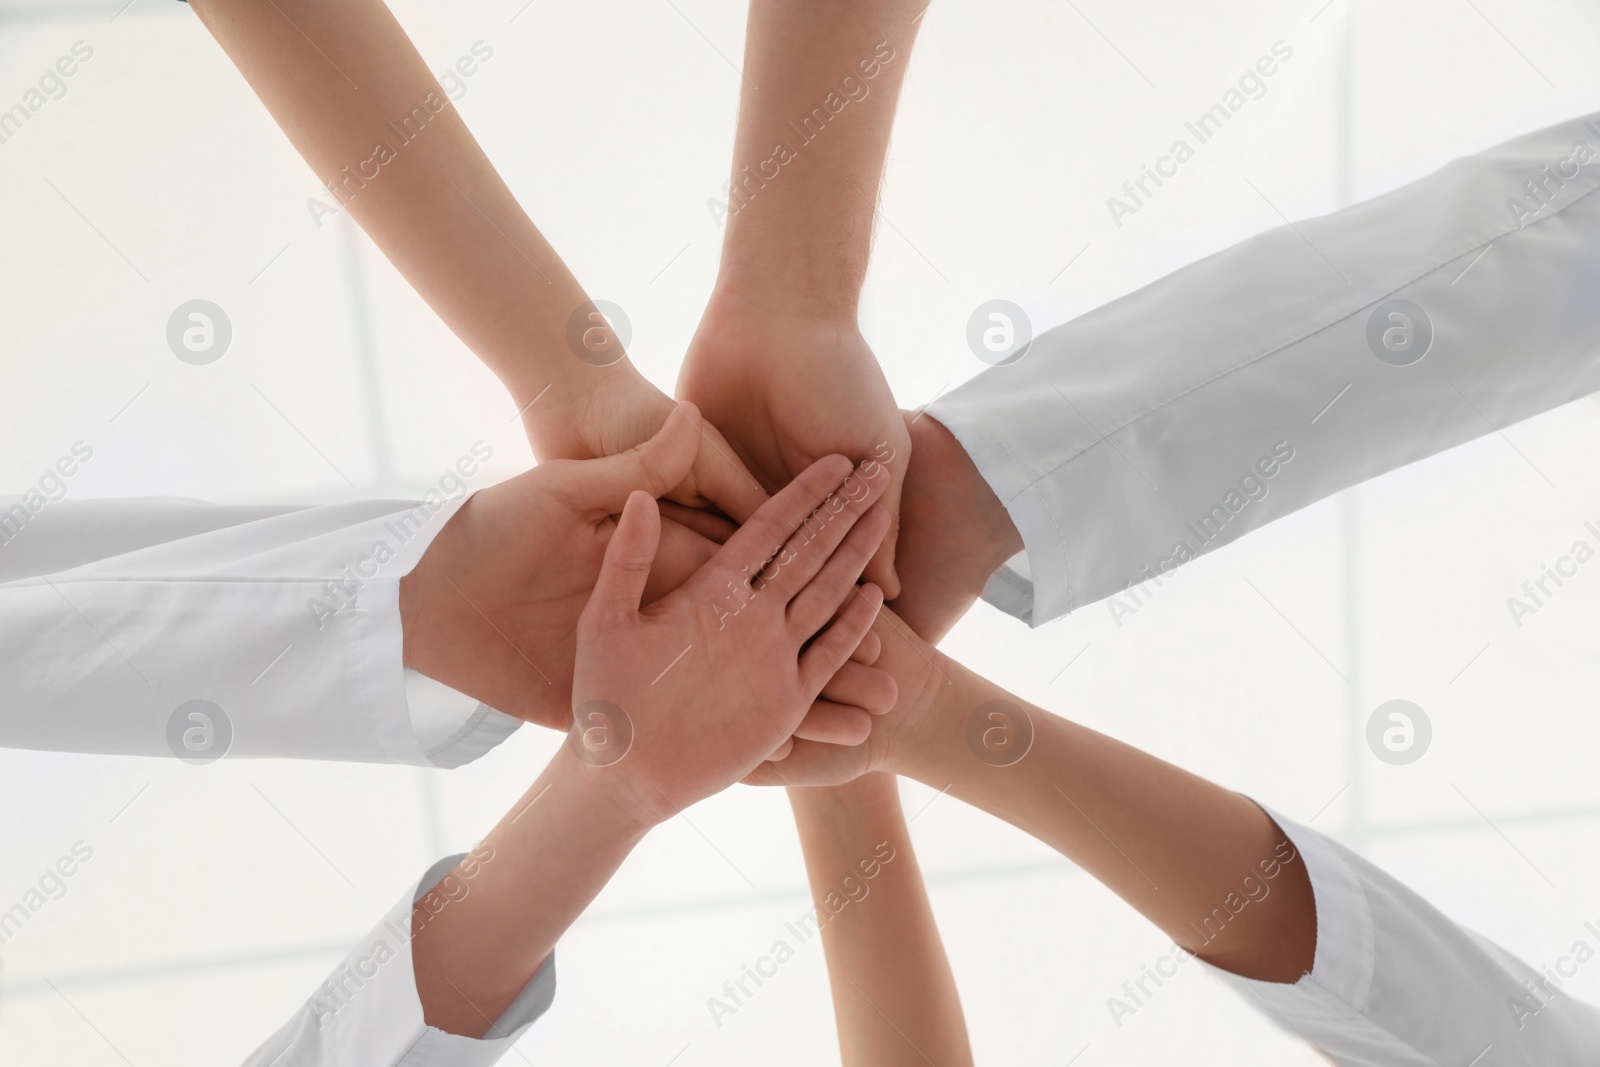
718, 674
929, 688
788, 387
600, 420
954, 532
492, 607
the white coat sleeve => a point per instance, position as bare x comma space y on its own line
171, 627
368, 1012
1307, 359
1395, 983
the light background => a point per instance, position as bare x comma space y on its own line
217, 898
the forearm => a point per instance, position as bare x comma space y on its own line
894, 996
822, 80
359, 104
538, 870
1174, 846
954, 532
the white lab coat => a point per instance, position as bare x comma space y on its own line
1249, 384
120, 620
1189, 413
367, 1011
1395, 983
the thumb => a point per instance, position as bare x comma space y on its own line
722, 478
656, 466
626, 567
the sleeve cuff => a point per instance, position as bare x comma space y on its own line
452, 728
1339, 983
534, 1000
368, 1011
1044, 561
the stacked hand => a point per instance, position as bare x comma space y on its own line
494, 606
789, 387
717, 675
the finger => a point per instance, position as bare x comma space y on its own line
603, 485
775, 521
626, 568
833, 724
722, 478
833, 646
793, 535
811, 609
782, 750
867, 688
679, 554
813, 763
868, 651
708, 524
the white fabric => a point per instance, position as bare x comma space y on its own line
367, 1011
114, 613
1395, 983
1117, 437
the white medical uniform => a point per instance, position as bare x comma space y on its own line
121, 619
1138, 436
1395, 983
367, 1011
1289, 367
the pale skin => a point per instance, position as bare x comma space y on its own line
781, 330
334, 77
780, 364
1172, 845
894, 994
486, 613
735, 690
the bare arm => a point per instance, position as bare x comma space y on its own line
822, 80
894, 995
359, 104
530, 879
652, 742
779, 361
1174, 846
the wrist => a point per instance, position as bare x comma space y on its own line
615, 813
796, 282
871, 798
569, 416
929, 742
